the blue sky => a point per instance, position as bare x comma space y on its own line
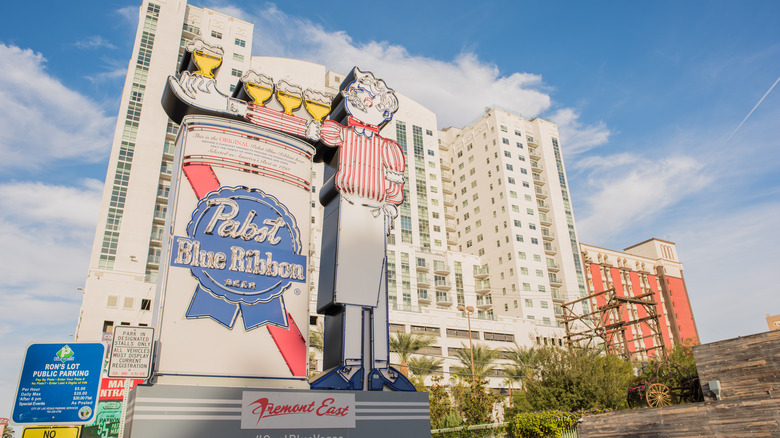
647, 97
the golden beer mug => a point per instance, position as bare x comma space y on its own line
317, 104
259, 87
289, 95
207, 63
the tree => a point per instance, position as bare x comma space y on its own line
484, 358
475, 400
8, 432
523, 366
573, 379
406, 344
443, 414
423, 366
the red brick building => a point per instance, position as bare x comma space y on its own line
637, 299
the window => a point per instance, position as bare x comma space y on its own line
539, 273
532, 226
240, 42
534, 240
108, 326
238, 57
519, 145
529, 211
511, 180
428, 132
529, 303
526, 286
517, 223
479, 238
544, 304
523, 270
524, 171
112, 301
503, 128
516, 209
509, 167
236, 72
216, 34
518, 133
505, 140
525, 184
128, 304
146, 304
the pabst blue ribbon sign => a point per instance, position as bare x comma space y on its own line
234, 288
244, 247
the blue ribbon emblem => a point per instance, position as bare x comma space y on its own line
244, 248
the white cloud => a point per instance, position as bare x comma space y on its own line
624, 190
41, 120
728, 258
94, 42
456, 90
45, 239
577, 138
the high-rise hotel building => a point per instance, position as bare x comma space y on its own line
487, 223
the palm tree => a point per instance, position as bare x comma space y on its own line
423, 366
523, 366
406, 344
484, 357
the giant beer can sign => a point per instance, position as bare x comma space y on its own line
234, 290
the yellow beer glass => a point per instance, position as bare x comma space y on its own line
206, 63
260, 94
317, 110
289, 101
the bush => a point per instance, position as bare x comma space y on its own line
546, 424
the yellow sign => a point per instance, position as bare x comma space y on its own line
52, 432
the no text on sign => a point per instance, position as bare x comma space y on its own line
131, 352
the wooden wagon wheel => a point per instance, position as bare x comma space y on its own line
658, 394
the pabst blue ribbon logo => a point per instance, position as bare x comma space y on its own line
244, 248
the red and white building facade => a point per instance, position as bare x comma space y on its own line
653, 267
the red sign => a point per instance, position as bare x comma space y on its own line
278, 410
114, 389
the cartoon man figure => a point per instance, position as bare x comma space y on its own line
363, 185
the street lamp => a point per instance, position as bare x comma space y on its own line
469, 310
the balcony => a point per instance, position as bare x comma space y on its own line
168, 151
443, 299
481, 272
540, 193
446, 189
443, 285
449, 225
545, 220
423, 297
552, 267
535, 167
443, 146
422, 280
549, 249
449, 201
533, 153
445, 165
538, 180
485, 302
543, 206
449, 212
422, 265
555, 281
440, 267
452, 239
482, 286
546, 235
446, 176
